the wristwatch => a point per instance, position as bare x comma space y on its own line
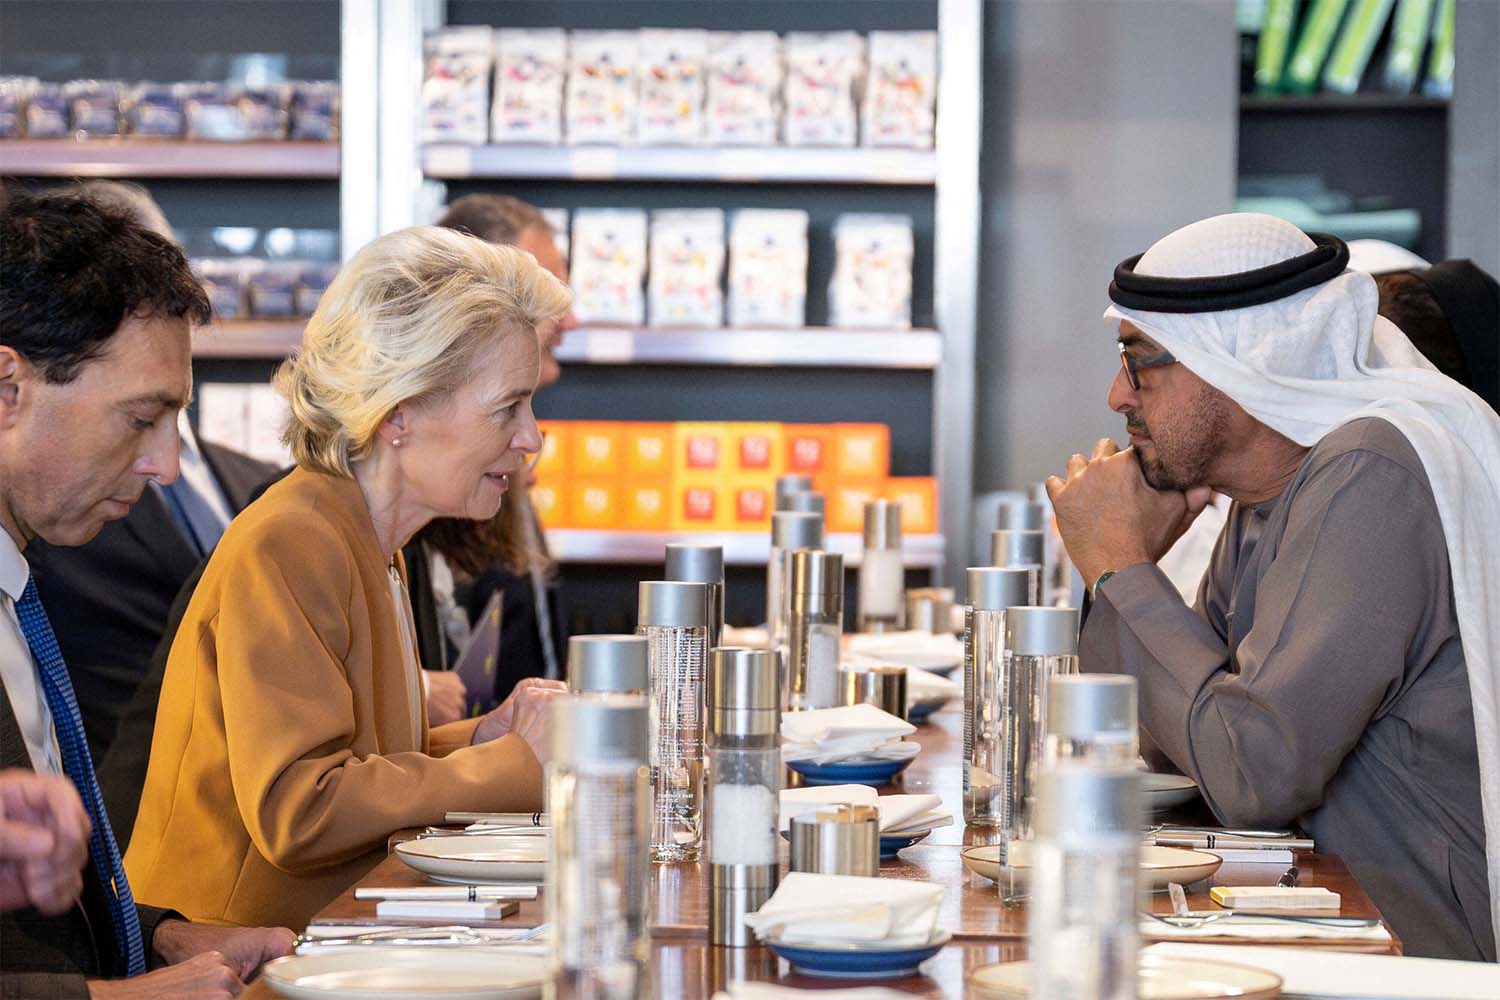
1094, 593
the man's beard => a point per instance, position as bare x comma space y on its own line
1183, 461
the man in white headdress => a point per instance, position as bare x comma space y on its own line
1338, 669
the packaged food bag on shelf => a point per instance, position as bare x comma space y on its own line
314, 111
272, 289
743, 94
557, 218
871, 286
46, 112
608, 265
456, 84
235, 114
600, 95
224, 283
768, 268
900, 90
530, 66
687, 261
156, 110
94, 106
14, 92
312, 282
823, 71
672, 68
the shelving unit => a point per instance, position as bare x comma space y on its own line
777, 165
919, 381
169, 158
263, 339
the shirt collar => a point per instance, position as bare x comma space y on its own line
13, 569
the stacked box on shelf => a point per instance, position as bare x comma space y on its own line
715, 476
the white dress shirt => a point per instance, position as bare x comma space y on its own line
18, 669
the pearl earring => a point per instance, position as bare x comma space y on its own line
395, 442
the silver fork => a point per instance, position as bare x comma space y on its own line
423, 936
1194, 920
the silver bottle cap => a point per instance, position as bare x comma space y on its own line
806, 502
1081, 706
995, 588
1086, 798
744, 692
599, 728
607, 663
1033, 631
787, 485
1018, 548
882, 685
837, 840
671, 602
929, 609
796, 530
694, 563
816, 573
882, 524
1028, 515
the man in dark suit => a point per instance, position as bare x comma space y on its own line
119, 588
95, 335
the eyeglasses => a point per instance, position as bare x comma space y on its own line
1134, 366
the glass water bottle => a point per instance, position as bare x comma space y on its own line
599, 663
692, 563
1085, 883
1040, 643
882, 573
790, 531
744, 751
817, 621
1092, 717
599, 798
673, 617
991, 590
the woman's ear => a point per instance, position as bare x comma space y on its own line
393, 428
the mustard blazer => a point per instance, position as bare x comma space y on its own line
283, 753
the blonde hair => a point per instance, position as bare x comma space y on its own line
408, 319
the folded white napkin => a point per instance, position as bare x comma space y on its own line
853, 733
897, 812
1320, 974
911, 649
845, 908
824, 724
770, 991
1250, 927
922, 685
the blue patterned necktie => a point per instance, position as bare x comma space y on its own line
104, 853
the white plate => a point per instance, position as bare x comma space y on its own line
1163, 791
1161, 978
470, 857
408, 973
1159, 865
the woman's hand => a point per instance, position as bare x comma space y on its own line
523, 713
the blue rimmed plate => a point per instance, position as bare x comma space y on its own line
873, 773
858, 960
892, 843
918, 712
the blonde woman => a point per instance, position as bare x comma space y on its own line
291, 738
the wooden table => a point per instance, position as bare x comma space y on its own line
984, 930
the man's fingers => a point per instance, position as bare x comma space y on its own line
1054, 486
1105, 448
24, 842
1076, 464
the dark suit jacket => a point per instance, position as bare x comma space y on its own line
43, 958
115, 593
